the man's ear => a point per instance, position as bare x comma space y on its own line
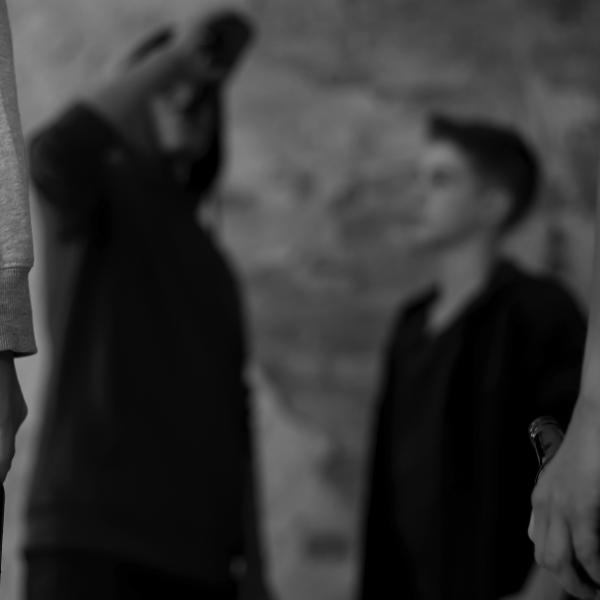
496, 207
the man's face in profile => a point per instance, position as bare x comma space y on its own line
449, 195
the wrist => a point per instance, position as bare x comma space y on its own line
586, 415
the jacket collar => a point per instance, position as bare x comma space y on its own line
504, 275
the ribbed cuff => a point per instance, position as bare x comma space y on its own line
16, 322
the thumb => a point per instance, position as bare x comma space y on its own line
7, 450
18, 406
531, 528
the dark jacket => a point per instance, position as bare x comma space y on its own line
518, 356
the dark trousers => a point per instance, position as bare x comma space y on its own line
75, 575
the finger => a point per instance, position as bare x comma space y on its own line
586, 548
558, 557
540, 528
570, 580
18, 405
7, 451
5, 464
530, 529
557, 551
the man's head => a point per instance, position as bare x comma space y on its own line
186, 113
475, 179
185, 121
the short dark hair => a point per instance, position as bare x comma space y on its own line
499, 154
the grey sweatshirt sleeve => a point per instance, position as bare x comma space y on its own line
16, 247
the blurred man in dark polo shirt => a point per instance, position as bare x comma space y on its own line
143, 486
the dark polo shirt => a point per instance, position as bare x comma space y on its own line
144, 438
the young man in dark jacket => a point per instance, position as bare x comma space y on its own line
468, 367
144, 485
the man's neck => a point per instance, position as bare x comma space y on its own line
463, 273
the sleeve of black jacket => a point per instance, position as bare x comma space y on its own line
378, 554
554, 350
